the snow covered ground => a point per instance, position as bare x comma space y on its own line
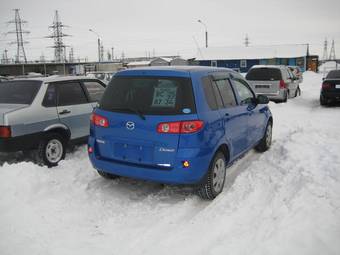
285, 201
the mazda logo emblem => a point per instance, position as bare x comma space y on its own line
130, 125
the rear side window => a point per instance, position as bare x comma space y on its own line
150, 95
226, 93
95, 90
18, 92
264, 74
50, 98
209, 93
334, 74
70, 93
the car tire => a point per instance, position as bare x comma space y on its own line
214, 181
51, 149
266, 140
297, 92
323, 100
107, 175
285, 98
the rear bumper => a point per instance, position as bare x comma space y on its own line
175, 174
278, 96
19, 143
333, 95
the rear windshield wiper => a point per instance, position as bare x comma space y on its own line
130, 109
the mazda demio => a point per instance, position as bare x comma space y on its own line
177, 125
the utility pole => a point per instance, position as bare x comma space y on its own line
325, 51
246, 41
57, 35
19, 34
101, 52
332, 52
42, 57
109, 58
5, 59
71, 56
98, 43
206, 32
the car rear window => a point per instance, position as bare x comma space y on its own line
149, 95
334, 74
18, 92
264, 74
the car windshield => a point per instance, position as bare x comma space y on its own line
18, 92
264, 74
149, 95
334, 74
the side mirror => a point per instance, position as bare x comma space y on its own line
261, 99
323, 78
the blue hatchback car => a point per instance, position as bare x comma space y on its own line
177, 125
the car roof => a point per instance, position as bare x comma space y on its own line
172, 70
55, 78
268, 66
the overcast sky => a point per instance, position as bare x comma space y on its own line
171, 27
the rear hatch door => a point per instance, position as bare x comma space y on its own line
134, 107
264, 80
130, 139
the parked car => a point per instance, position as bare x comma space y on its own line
296, 70
296, 80
330, 89
104, 76
46, 114
2, 79
177, 125
275, 82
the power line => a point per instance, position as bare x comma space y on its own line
246, 41
325, 50
57, 35
19, 34
332, 52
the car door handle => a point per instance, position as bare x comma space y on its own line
64, 112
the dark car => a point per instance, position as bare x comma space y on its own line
177, 125
330, 90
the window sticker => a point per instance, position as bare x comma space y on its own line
186, 110
164, 97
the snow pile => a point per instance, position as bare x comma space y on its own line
328, 66
285, 201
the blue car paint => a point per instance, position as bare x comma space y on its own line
239, 128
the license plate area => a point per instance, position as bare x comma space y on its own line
262, 86
133, 152
337, 86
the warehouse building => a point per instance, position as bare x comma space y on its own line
243, 58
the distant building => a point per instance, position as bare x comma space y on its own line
243, 58
160, 61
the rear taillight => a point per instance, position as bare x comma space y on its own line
99, 121
283, 85
5, 132
180, 127
326, 85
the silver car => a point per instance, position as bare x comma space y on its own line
44, 115
276, 82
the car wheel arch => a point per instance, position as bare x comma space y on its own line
224, 148
62, 130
